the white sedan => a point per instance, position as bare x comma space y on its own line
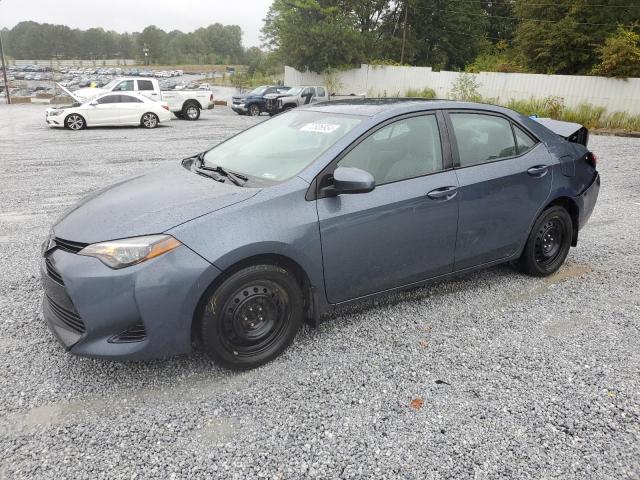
110, 110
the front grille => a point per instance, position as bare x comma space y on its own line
68, 317
272, 103
137, 333
68, 245
52, 272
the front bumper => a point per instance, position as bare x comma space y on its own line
136, 313
54, 120
239, 107
586, 201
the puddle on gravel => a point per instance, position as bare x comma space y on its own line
84, 410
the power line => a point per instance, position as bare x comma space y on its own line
486, 15
494, 2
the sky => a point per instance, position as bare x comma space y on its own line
132, 16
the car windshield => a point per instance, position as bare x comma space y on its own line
294, 91
258, 91
280, 148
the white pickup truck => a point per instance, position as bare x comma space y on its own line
184, 103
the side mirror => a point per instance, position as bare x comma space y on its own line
352, 180
93, 104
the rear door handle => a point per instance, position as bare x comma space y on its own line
443, 193
538, 171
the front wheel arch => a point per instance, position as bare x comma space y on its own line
264, 259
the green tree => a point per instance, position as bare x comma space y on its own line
620, 55
564, 36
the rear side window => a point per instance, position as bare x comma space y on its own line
145, 85
129, 99
482, 138
405, 149
109, 99
320, 92
524, 142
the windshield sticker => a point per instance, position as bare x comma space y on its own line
320, 127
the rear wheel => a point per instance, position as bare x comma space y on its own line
75, 122
149, 120
548, 243
254, 110
252, 317
190, 111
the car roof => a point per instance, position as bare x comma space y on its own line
370, 107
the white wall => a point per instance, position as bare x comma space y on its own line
613, 94
110, 62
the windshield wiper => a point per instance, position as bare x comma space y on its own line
236, 178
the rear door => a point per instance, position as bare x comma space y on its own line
403, 231
145, 87
131, 109
504, 180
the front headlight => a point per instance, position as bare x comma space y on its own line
130, 251
55, 113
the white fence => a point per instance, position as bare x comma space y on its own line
110, 62
613, 94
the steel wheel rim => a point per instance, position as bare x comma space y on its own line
149, 120
254, 318
192, 112
75, 122
549, 241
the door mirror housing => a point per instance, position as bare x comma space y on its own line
94, 103
352, 180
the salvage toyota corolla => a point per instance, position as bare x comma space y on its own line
234, 248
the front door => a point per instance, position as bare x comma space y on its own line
504, 180
404, 230
104, 111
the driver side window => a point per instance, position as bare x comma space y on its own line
405, 149
125, 86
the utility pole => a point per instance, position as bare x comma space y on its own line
4, 71
404, 31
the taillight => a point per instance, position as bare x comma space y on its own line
166, 107
592, 159
211, 97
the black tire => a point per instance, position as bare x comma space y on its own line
191, 111
548, 243
254, 110
75, 122
251, 317
149, 120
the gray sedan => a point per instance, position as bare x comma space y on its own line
324, 205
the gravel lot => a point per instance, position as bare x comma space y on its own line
495, 375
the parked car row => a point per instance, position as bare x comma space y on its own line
274, 99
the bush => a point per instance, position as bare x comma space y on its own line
424, 93
465, 88
620, 55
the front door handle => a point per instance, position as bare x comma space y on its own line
538, 171
443, 193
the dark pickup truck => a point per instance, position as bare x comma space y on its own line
254, 102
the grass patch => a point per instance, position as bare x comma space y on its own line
591, 116
424, 93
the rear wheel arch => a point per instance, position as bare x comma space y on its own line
277, 260
574, 212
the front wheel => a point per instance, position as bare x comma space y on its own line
548, 243
254, 110
149, 120
251, 317
75, 122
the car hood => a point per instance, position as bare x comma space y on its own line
88, 93
147, 204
